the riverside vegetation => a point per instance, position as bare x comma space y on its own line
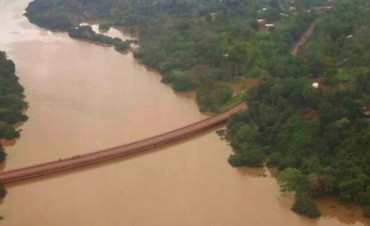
12, 105
316, 137
203, 45
86, 32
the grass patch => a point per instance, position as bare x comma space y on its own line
235, 100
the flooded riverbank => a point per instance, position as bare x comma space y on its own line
84, 97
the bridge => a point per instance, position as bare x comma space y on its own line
75, 162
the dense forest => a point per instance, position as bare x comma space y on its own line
316, 136
12, 105
204, 45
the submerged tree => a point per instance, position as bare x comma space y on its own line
304, 205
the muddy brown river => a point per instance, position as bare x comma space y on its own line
84, 97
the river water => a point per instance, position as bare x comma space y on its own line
84, 98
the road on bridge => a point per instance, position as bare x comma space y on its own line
117, 152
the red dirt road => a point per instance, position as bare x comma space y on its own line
302, 40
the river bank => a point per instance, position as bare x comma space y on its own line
85, 97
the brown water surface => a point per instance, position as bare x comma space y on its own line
85, 97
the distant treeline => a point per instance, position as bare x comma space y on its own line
12, 104
63, 22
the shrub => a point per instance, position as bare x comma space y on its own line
367, 211
2, 154
253, 158
274, 159
2, 191
306, 206
182, 83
